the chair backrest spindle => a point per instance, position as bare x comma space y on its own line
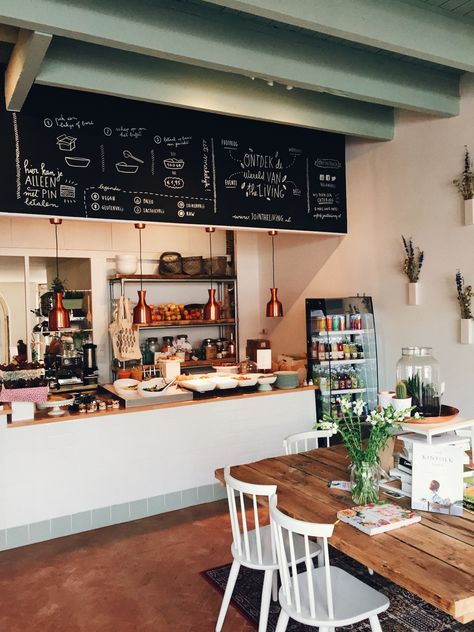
283, 526
309, 440
243, 544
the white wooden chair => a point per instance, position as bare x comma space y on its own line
326, 597
254, 548
304, 441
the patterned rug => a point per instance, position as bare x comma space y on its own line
407, 612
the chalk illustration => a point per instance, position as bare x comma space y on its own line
76, 161
125, 167
173, 163
173, 182
67, 191
66, 143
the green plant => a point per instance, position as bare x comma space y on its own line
57, 285
465, 183
464, 296
413, 260
401, 390
383, 424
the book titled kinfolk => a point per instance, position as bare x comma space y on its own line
437, 483
378, 517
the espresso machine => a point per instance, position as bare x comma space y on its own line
72, 369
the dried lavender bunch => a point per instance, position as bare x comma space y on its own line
465, 295
413, 260
465, 184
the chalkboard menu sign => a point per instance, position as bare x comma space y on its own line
82, 155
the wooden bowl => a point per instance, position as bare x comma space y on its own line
448, 413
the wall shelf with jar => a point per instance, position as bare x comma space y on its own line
177, 302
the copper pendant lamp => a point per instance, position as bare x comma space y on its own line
141, 311
274, 306
58, 317
211, 309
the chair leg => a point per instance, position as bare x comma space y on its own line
275, 586
234, 571
265, 605
375, 624
282, 622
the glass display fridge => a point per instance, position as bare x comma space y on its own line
342, 351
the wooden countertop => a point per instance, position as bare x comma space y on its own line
43, 417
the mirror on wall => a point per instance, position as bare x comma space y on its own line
24, 331
13, 325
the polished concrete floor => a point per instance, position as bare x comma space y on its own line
139, 576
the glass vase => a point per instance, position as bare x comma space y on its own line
365, 479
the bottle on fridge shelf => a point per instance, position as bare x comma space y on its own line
314, 347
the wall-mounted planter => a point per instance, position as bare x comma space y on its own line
468, 212
414, 294
466, 331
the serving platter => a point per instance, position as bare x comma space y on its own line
448, 413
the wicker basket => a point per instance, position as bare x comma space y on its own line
192, 265
170, 263
219, 266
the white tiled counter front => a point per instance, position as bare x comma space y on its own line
79, 474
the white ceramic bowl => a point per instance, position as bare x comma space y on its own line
267, 379
223, 383
157, 382
126, 264
198, 385
246, 380
227, 368
124, 387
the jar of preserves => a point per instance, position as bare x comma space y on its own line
420, 371
209, 350
183, 347
168, 345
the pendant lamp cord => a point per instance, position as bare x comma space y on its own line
57, 260
210, 254
273, 259
141, 266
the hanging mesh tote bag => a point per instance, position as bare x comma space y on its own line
125, 342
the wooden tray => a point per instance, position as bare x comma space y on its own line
448, 413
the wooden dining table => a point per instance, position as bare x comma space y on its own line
433, 559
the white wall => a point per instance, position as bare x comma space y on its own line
399, 187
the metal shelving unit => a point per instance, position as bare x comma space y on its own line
119, 283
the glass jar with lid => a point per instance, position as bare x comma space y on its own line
209, 349
183, 347
421, 373
168, 345
151, 349
247, 366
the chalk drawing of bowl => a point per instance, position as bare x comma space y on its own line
75, 161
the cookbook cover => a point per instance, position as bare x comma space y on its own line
376, 518
437, 483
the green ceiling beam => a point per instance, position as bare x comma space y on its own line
401, 27
220, 40
107, 71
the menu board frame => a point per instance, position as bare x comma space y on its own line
95, 157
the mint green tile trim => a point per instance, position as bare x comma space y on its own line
40, 531
17, 536
108, 516
61, 526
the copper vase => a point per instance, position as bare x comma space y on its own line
274, 306
211, 308
58, 317
141, 311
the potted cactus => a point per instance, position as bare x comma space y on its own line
401, 401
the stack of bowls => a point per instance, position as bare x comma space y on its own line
126, 264
286, 379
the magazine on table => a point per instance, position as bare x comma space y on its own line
378, 517
437, 483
